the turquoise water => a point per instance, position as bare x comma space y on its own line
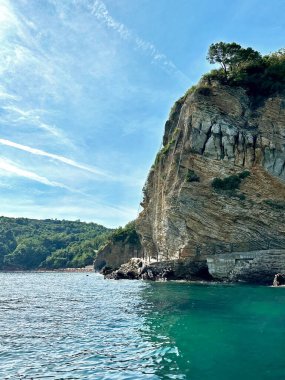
74, 326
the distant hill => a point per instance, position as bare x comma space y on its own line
52, 244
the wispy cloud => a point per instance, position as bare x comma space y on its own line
5, 96
33, 117
56, 157
100, 11
24, 63
10, 167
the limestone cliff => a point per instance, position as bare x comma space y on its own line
123, 245
114, 254
215, 131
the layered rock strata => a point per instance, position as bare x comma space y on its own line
255, 266
215, 132
114, 254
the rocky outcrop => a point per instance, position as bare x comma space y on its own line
161, 271
255, 267
114, 254
215, 132
279, 280
214, 200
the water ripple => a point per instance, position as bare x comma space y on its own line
73, 326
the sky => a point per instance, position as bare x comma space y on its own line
86, 87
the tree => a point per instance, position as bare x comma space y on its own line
231, 56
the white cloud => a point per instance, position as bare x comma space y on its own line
100, 11
57, 157
5, 96
10, 167
32, 117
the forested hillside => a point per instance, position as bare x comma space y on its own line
31, 244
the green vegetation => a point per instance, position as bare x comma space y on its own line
231, 56
204, 90
165, 149
230, 184
277, 205
127, 234
31, 244
244, 174
191, 176
261, 76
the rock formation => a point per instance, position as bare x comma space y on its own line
214, 132
218, 184
114, 254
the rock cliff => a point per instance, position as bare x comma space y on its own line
216, 131
214, 200
123, 245
114, 254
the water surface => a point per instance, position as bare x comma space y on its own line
74, 326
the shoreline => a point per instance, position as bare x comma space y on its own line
87, 269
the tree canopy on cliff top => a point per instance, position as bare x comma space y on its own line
246, 67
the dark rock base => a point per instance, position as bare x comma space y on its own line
279, 279
160, 271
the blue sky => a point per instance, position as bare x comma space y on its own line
86, 87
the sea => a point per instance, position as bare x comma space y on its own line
80, 326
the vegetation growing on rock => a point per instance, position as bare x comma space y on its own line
231, 182
261, 76
191, 176
127, 234
275, 204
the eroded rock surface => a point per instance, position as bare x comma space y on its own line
279, 280
114, 254
215, 134
215, 131
161, 271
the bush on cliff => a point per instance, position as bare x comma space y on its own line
231, 182
127, 234
191, 176
228, 183
261, 76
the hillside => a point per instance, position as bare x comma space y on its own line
32, 244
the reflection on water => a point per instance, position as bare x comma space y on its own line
73, 326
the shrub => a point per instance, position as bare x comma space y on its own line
204, 90
128, 234
276, 204
228, 183
191, 176
244, 174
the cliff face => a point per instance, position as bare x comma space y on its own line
114, 254
215, 132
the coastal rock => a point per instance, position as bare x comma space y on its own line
254, 267
279, 279
114, 254
130, 270
162, 270
216, 133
